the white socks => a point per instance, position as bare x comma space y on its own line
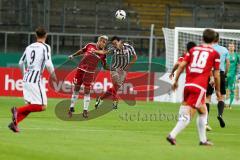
201, 125
74, 98
86, 101
183, 120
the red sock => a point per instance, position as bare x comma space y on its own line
21, 116
107, 94
22, 112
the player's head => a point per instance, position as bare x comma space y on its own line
117, 42
216, 37
231, 47
190, 45
41, 33
102, 41
209, 36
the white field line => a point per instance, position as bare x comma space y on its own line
117, 130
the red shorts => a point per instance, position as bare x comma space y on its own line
194, 96
82, 77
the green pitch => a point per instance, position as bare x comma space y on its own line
127, 133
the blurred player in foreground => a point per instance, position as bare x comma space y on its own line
36, 56
232, 71
121, 62
198, 63
93, 53
189, 46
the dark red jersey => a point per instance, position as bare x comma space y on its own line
201, 60
90, 59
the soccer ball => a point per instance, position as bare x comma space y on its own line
120, 14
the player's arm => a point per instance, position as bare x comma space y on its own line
216, 75
134, 57
212, 81
227, 63
79, 52
22, 62
101, 51
49, 65
180, 69
175, 67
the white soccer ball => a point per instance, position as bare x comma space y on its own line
120, 14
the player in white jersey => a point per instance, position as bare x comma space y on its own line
32, 63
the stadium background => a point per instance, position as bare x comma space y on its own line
73, 23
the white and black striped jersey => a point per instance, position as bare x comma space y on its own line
33, 61
121, 58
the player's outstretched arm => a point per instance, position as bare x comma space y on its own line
101, 51
76, 54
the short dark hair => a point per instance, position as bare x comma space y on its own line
209, 35
115, 38
190, 45
216, 37
40, 32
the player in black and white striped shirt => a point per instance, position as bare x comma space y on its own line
32, 63
123, 57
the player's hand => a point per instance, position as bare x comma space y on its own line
70, 57
171, 76
212, 82
175, 85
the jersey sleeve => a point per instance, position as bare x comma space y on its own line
226, 53
48, 62
132, 50
48, 53
85, 47
187, 57
22, 61
23, 58
216, 65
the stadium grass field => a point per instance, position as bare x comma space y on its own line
112, 136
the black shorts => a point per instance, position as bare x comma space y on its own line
210, 89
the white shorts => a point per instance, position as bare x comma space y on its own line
118, 76
34, 93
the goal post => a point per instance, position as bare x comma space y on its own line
177, 38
